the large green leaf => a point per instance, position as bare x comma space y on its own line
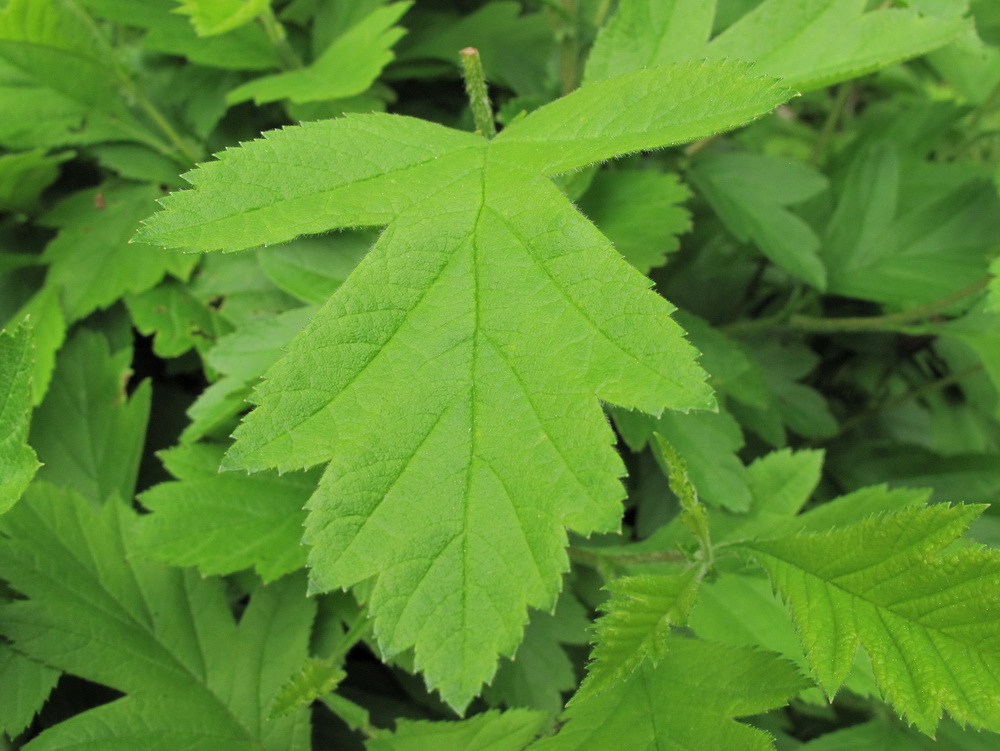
223, 523
18, 462
925, 615
192, 676
808, 43
687, 702
452, 380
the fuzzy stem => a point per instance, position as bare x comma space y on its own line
475, 87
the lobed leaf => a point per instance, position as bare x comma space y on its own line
635, 627
925, 615
686, 702
18, 462
193, 677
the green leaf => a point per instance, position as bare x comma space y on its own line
541, 671
24, 176
640, 212
820, 42
347, 67
780, 484
635, 627
52, 55
46, 316
684, 703
193, 678
809, 44
431, 356
25, 684
515, 46
242, 356
644, 33
243, 48
211, 17
907, 234
174, 318
925, 615
18, 462
490, 731
750, 191
91, 259
228, 522
88, 435
311, 268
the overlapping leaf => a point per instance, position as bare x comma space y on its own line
636, 625
490, 731
810, 44
452, 378
686, 702
925, 615
18, 462
193, 678
346, 68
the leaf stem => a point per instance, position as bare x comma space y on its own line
569, 51
830, 124
915, 393
889, 322
278, 37
475, 87
357, 628
588, 557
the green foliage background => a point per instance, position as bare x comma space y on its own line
380, 433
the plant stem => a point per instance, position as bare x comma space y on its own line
569, 53
279, 39
888, 322
475, 87
830, 125
589, 558
359, 626
915, 393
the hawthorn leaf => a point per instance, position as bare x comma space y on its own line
228, 522
193, 678
490, 731
211, 17
25, 684
464, 436
91, 261
809, 44
350, 65
18, 462
635, 627
924, 612
88, 435
311, 268
686, 702
750, 193
540, 671
640, 212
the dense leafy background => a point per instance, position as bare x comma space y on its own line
767, 551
